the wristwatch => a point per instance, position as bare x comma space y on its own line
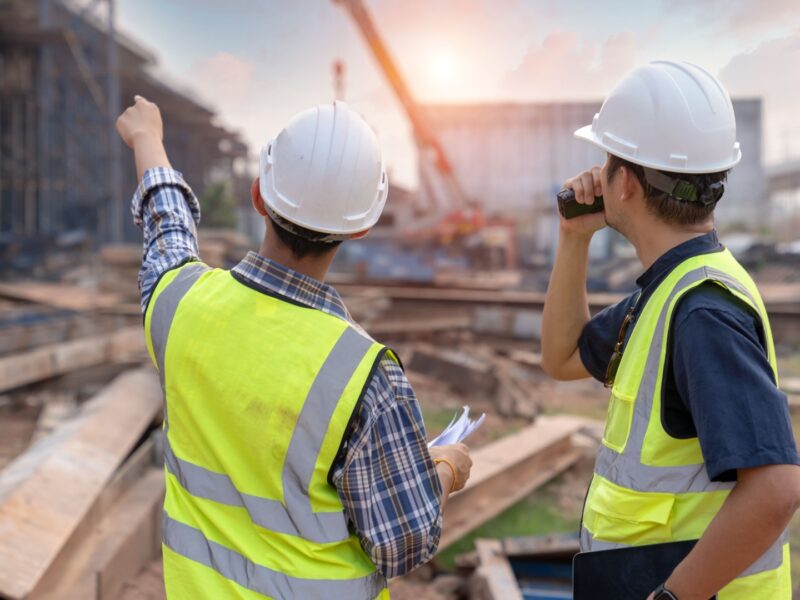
663, 593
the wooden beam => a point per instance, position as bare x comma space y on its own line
131, 535
495, 578
123, 542
58, 295
506, 471
40, 515
58, 359
73, 573
415, 326
148, 584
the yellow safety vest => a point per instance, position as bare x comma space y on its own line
259, 393
649, 487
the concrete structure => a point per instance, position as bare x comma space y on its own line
64, 76
513, 157
783, 181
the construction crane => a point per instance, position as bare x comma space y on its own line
454, 215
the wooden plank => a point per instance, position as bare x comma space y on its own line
132, 535
495, 576
462, 371
16, 431
74, 573
542, 547
58, 359
529, 359
416, 326
58, 295
790, 385
58, 328
140, 460
508, 470
38, 517
147, 585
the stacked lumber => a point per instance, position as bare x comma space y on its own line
58, 295
57, 359
80, 509
509, 469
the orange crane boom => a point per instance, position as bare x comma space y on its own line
429, 147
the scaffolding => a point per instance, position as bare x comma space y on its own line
63, 71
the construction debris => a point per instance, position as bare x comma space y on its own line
506, 471
43, 513
57, 359
101, 539
58, 295
463, 372
495, 579
532, 567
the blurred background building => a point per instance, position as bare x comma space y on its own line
65, 177
513, 158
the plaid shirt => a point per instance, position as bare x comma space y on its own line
386, 479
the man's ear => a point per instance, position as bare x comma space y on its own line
630, 184
359, 235
256, 199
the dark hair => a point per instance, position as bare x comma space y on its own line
667, 208
303, 243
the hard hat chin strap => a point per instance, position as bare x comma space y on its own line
683, 191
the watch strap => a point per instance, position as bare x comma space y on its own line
662, 593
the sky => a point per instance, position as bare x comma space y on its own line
259, 62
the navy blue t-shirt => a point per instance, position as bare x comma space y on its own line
718, 383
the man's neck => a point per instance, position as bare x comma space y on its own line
315, 267
651, 243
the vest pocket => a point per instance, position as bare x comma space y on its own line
627, 516
618, 422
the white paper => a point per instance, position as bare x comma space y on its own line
458, 429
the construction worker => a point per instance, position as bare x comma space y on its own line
698, 443
295, 451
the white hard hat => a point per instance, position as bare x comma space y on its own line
324, 172
673, 116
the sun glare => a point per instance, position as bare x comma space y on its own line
445, 67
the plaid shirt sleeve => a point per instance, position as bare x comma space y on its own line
387, 480
168, 212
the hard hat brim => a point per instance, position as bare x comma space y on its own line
587, 134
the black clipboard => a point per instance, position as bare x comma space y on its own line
626, 573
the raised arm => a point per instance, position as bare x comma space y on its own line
566, 307
164, 206
140, 127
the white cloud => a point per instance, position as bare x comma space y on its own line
740, 17
561, 68
771, 71
223, 79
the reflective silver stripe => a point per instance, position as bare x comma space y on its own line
628, 472
165, 307
626, 469
192, 544
771, 559
315, 416
294, 516
268, 513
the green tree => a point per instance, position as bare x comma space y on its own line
218, 206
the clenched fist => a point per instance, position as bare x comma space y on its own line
586, 186
140, 121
